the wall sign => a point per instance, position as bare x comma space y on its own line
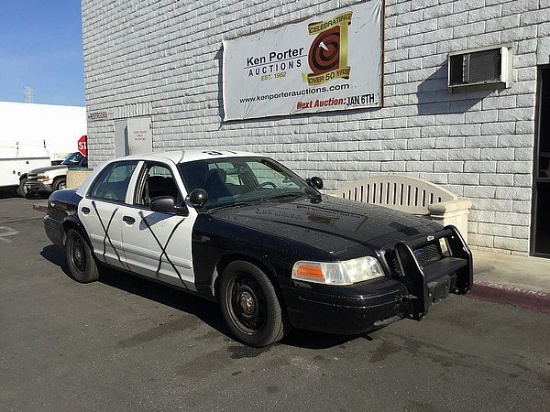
99, 115
332, 61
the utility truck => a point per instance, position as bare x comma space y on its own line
17, 158
34, 136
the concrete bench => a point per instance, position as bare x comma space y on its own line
410, 195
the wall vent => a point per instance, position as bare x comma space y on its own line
480, 69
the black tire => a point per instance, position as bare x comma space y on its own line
21, 189
80, 260
59, 184
250, 305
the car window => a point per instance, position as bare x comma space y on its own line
269, 176
157, 181
73, 159
112, 182
243, 179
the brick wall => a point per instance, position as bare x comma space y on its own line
162, 58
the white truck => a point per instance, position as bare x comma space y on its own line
17, 158
45, 180
34, 136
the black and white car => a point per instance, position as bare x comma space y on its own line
243, 230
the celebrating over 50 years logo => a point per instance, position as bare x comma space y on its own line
328, 54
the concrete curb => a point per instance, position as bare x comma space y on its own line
535, 300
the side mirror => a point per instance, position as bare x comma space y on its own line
198, 197
315, 182
167, 204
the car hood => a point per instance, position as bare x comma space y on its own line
48, 169
330, 224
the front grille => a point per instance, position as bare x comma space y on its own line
424, 255
428, 253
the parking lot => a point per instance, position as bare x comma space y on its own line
127, 344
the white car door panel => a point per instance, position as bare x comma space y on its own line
102, 221
158, 245
100, 211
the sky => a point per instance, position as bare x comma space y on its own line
41, 47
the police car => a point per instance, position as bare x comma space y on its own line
245, 231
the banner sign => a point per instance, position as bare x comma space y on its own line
332, 61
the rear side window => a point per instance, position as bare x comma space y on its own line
112, 182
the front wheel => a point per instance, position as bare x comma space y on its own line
22, 188
59, 184
250, 305
80, 260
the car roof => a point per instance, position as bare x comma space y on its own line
183, 156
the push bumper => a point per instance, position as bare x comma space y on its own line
429, 282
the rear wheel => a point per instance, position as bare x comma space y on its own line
80, 260
250, 305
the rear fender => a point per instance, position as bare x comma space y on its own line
73, 222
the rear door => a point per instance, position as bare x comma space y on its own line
101, 211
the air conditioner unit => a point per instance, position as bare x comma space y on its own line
480, 69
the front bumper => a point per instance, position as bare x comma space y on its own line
364, 306
346, 310
38, 187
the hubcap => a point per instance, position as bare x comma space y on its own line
247, 303
79, 257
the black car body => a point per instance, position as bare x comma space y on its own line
290, 258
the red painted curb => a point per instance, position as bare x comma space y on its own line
40, 208
535, 300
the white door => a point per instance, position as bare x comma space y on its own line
101, 212
158, 245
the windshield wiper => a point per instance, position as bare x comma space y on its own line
288, 194
230, 205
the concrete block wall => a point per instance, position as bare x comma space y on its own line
162, 58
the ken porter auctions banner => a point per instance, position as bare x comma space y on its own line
328, 62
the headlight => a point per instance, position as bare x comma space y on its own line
338, 273
43, 177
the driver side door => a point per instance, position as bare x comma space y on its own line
158, 245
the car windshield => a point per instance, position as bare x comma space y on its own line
73, 159
234, 181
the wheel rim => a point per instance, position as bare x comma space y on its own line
247, 303
62, 185
78, 255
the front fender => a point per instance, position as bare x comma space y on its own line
232, 256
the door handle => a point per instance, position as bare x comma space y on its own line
85, 210
128, 219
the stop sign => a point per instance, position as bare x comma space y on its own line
82, 146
